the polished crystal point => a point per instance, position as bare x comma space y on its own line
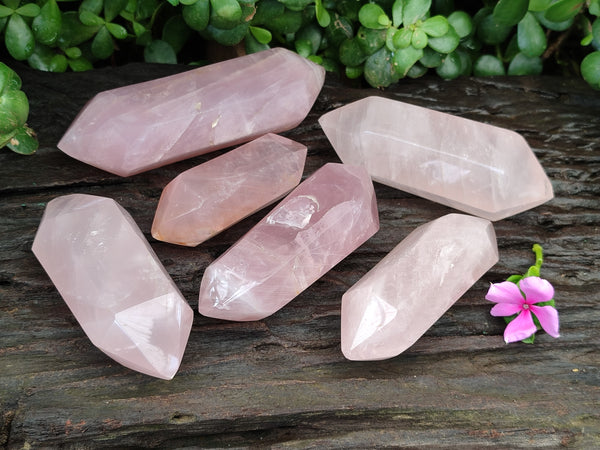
135, 128
211, 197
114, 284
397, 301
317, 225
481, 169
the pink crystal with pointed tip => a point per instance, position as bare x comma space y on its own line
474, 167
397, 301
318, 224
114, 284
209, 198
135, 128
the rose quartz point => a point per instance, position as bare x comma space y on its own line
318, 224
209, 198
114, 284
398, 300
135, 128
481, 169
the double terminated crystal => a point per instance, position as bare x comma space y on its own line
140, 127
388, 309
317, 225
477, 168
208, 198
113, 283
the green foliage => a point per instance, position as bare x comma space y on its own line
14, 109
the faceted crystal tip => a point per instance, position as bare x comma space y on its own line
398, 300
318, 224
135, 128
481, 169
114, 284
205, 200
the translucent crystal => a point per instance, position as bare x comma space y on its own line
135, 128
211, 197
114, 284
474, 167
317, 225
397, 301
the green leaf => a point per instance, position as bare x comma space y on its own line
430, 58
405, 58
379, 69
446, 43
18, 38
12, 4
369, 16
415, 10
264, 36
296, 5
510, 12
196, 16
46, 26
554, 26
28, 10
112, 8
24, 141
323, 17
225, 14
174, 2
94, 6
397, 13
402, 38
416, 71
590, 69
287, 23
451, 67
351, 53
266, 11
525, 65
462, 23
58, 63
160, 52
79, 64
303, 47
563, 10
491, 32
531, 36
5, 11
312, 33
370, 40
487, 66
138, 29
338, 30
251, 45
8, 78
594, 7
90, 19
176, 33
435, 26
596, 33
419, 39
118, 31
73, 32
102, 45
14, 109
73, 52
539, 5
354, 72
228, 37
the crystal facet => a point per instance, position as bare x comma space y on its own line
474, 167
397, 301
317, 225
135, 128
209, 198
114, 284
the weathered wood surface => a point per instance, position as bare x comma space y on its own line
283, 382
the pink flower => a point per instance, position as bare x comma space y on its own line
512, 299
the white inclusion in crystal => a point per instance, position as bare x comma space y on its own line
296, 213
376, 316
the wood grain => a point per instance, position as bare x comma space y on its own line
282, 382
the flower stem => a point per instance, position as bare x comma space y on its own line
539, 260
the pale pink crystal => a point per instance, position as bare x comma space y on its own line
474, 167
135, 128
317, 225
208, 198
114, 284
397, 301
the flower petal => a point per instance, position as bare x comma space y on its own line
505, 309
536, 289
505, 292
520, 328
548, 317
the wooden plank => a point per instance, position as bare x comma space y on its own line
282, 381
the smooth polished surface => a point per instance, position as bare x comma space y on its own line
203, 201
135, 128
114, 284
397, 301
317, 225
481, 169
